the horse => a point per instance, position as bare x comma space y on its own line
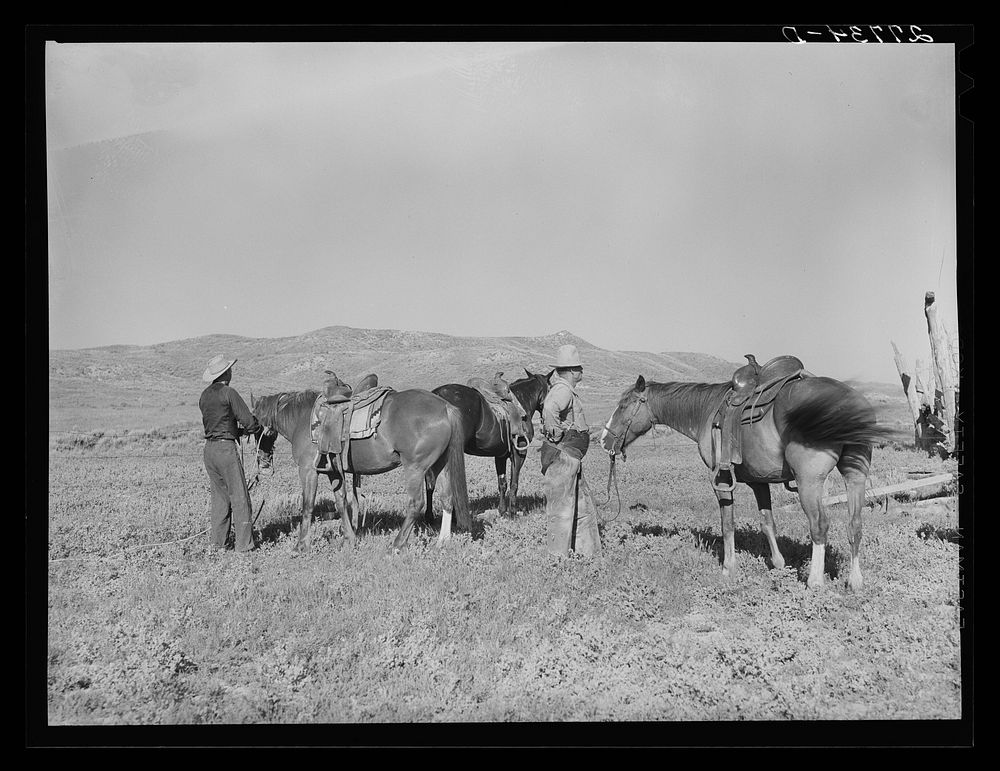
419, 432
814, 425
485, 436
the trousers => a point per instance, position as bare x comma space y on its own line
230, 498
570, 510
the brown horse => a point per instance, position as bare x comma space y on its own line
486, 436
419, 432
815, 424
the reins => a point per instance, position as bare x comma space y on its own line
612, 475
255, 480
612, 454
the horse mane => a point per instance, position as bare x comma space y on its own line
699, 395
681, 405
281, 409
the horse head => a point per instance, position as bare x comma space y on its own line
630, 420
532, 390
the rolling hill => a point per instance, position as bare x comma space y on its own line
129, 387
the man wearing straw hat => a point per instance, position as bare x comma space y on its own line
223, 411
569, 506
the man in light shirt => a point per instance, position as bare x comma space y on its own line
570, 510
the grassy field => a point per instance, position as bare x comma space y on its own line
146, 627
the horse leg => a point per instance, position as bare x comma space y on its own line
854, 465
350, 506
310, 481
516, 461
728, 533
415, 484
501, 466
360, 502
447, 506
430, 480
811, 466
811, 497
762, 492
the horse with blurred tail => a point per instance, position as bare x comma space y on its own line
418, 432
487, 436
787, 425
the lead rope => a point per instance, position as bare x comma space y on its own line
612, 476
612, 473
256, 477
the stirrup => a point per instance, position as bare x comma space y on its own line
720, 486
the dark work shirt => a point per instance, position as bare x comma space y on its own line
221, 409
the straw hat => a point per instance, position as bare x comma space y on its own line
216, 367
568, 356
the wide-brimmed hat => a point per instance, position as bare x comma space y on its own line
568, 356
216, 367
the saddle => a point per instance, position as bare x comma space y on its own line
366, 383
339, 415
507, 409
751, 395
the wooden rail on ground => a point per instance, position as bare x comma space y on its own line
901, 487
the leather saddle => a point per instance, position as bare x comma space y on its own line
341, 414
751, 395
507, 409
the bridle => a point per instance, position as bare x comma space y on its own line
615, 448
612, 453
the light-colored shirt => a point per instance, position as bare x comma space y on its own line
563, 408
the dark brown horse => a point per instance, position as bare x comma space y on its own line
486, 436
419, 432
816, 424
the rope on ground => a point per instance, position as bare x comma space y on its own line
125, 551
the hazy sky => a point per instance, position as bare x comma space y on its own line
723, 198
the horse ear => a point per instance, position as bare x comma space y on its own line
640, 384
528, 372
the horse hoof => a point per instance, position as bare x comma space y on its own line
815, 583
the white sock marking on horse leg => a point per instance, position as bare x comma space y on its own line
445, 533
816, 569
854, 580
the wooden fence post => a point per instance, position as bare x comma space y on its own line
925, 384
910, 389
942, 357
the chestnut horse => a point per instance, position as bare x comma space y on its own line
815, 424
419, 432
486, 437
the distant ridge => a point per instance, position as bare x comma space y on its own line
127, 378
131, 386
410, 359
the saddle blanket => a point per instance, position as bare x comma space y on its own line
366, 412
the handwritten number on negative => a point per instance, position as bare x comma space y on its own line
858, 34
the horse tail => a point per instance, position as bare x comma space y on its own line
456, 470
847, 418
